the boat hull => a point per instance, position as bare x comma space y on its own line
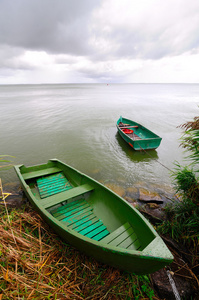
146, 255
137, 136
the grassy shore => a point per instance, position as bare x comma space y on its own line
36, 264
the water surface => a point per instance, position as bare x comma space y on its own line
76, 123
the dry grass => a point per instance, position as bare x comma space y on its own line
36, 264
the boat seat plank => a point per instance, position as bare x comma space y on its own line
124, 127
64, 196
40, 173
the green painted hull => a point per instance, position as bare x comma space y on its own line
141, 138
92, 218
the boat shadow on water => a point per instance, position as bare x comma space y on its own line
136, 156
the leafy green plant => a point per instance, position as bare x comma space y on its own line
187, 183
182, 222
183, 215
142, 288
190, 140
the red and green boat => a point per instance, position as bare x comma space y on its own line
137, 136
92, 218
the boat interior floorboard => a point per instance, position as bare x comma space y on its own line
53, 184
134, 136
123, 237
79, 216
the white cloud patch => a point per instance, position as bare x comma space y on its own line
147, 29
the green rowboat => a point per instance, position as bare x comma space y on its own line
92, 218
137, 136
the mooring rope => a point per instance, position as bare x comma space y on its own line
172, 283
155, 159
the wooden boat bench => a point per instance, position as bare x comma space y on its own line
127, 127
40, 173
64, 196
55, 188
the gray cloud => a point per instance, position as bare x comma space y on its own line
88, 36
64, 26
54, 26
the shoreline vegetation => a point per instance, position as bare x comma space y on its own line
36, 264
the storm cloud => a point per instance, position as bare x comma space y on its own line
96, 41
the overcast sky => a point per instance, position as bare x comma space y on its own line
94, 41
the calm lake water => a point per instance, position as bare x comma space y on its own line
76, 123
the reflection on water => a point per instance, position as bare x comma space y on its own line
136, 156
77, 124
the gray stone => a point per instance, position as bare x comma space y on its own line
146, 195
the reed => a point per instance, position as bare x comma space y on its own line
36, 264
183, 216
5, 163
